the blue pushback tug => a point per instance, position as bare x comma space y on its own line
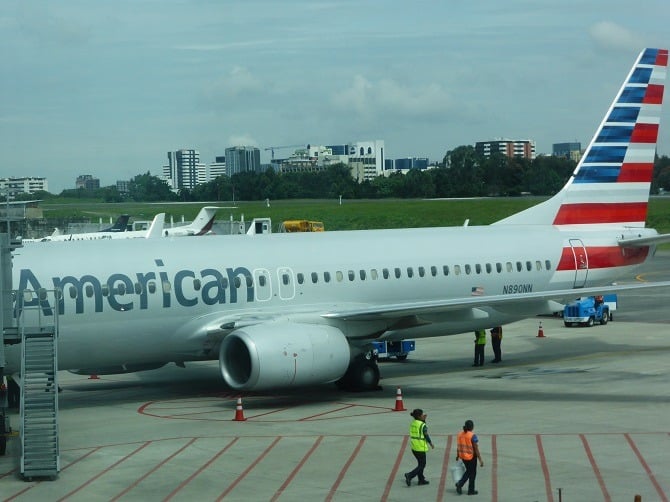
589, 310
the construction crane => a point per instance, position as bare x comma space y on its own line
273, 148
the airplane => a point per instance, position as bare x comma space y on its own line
201, 225
155, 230
120, 225
302, 309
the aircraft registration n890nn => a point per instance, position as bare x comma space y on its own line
285, 310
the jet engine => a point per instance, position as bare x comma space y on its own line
283, 354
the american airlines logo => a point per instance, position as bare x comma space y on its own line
122, 292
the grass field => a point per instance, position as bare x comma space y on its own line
350, 215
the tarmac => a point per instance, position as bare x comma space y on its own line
581, 414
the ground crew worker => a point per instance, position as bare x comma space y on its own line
467, 449
419, 442
496, 340
480, 343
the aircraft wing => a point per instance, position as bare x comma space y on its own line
529, 302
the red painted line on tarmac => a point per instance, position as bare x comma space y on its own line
394, 472
199, 471
647, 469
295, 471
445, 470
21, 492
494, 468
155, 468
545, 468
344, 470
596, 471
104, 471
327, 412
248, 469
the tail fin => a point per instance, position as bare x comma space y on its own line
611, 182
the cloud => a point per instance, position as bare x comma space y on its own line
242, 140
372, 99
610, 35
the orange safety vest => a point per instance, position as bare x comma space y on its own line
464, 445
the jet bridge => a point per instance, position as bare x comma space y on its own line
36, 329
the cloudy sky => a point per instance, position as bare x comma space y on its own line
109, 87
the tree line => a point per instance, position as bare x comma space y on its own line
462, 173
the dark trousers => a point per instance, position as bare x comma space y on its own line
497, 353
470, 474
479, 354
421, 460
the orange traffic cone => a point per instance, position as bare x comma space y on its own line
239, 414
398, 401
540, 331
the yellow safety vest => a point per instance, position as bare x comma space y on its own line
416, 437
481, 337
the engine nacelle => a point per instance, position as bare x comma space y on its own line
283, 354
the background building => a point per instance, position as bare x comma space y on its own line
87, 182
571, 150
11, 187
217, 168
242, 158
523, 148
183, 169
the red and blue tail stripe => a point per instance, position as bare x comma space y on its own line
611, 183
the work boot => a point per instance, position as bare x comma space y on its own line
459, 490
408, 480
423, 482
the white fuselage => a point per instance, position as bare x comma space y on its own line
161, 300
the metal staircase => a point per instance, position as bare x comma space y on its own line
40, 455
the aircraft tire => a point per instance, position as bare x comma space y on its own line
362, 375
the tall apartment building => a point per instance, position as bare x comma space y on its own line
217, 168
523, 148
242, 158
11, 187
184, 169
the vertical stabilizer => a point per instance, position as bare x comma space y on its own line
610, 185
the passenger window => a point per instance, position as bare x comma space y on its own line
285, 279
315, 277
373, 274
238, 281
519, 266
478, 268
445, 270
510, 268
529, 266
151, 287
538, 265
352, 275
73, 292
326, 276
422, 271
467, 269
457, 270
300, 278
489, 268
105, 290
339, 276
385, 273
547, 264
433, 270
498, 267
120, 289
361, 273
248, 279
167, 287
397, 273
224, 282
89, 290
410, 272
261, 280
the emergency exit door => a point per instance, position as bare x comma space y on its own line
581, 262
